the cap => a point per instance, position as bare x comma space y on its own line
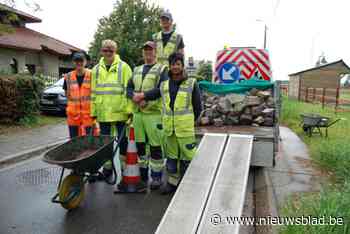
79, 56
166, 14
149, 44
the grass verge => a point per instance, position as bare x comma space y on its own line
331, 154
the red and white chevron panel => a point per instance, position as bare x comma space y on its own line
250, 60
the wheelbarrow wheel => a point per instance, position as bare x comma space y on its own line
71, 192
306, 128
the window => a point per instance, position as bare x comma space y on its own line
14, 66
31, 68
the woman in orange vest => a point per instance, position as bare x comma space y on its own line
78, 92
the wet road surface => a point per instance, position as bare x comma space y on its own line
25, 206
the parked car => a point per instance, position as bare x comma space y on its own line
53, 99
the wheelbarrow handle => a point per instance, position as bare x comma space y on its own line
119, 138
118, 141
335, 121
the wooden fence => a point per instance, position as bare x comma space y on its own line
325, 96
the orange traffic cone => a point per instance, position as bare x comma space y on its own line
131, 182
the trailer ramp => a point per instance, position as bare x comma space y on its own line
213, 187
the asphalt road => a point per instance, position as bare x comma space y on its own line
25, 206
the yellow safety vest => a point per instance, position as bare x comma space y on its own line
109, 102
171, 47
181, 120
150, 81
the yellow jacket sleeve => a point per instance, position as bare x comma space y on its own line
127, 74
93, 96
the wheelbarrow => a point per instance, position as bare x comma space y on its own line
312, 123
84, 156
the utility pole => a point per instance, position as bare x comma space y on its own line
265, 33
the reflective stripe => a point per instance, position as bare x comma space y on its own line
109, 85
156, 165
97, 71
84, 98
162, 94
68, 83
120, 70
143, 161
173, 179
114, 92
143, 158
155, 73
183, 112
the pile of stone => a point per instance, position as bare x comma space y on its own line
256, 108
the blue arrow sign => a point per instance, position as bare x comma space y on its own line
229, 73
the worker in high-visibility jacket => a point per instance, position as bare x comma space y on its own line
78, 92
168, 40
181, 106
109, 104
144, 90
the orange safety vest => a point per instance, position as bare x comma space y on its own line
78, 100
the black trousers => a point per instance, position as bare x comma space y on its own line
105, 129
74, 131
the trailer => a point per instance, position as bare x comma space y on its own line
266, 139
224, 174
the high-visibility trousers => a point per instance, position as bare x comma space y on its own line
179, 152
148, 133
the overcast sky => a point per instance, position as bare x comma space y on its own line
298, 31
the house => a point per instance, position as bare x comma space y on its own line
191, 66
284, 86
25, 49
323, 76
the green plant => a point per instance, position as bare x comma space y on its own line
28, 120
332, 154
20, 95
330, 202
205, 70
131, 23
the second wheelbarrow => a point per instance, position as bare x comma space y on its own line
312, 123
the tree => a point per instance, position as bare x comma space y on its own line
131, 24
7, 18
205, 70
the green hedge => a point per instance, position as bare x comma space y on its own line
20, 96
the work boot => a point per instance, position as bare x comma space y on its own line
156, 183
107, 172
93, 178
141, 187
168, 189
156, 179
125, 188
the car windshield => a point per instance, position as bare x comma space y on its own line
59, 82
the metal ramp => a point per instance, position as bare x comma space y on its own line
214, 184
